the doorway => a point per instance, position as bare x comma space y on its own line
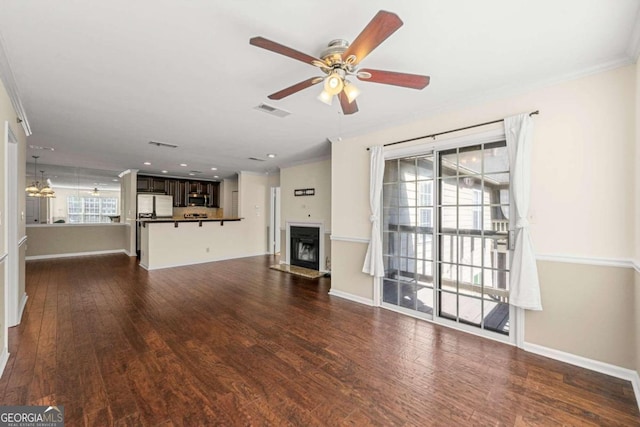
274, 221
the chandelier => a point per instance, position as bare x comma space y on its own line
37, 189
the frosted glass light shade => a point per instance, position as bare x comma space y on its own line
325, 97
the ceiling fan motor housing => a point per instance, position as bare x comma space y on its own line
332, 54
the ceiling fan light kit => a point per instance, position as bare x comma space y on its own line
340, 59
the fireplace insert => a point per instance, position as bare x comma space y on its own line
305, 247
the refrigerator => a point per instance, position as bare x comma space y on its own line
152, 206
155, 206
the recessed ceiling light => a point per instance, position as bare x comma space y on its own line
114, 180
214, 169
271, 155
216, 176
147, 163
183, 164
191, 174
165, 171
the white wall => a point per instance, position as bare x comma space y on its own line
253, 205
582, 204
637, 223
8, 114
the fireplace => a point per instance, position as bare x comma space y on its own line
304, 247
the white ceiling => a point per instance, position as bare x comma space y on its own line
99, 80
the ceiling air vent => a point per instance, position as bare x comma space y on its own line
39, 147
272, 110
257, 159
162, 144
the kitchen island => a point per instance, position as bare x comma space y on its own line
177, 242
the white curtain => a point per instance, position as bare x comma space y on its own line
373, 262
524, 286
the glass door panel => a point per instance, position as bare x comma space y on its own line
472, 233
408, 243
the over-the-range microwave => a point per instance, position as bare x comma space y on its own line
197, 199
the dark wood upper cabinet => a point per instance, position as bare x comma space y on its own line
180, 189
144, 183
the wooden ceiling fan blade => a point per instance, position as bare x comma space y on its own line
295, 88
413, 81
283, 50
347, 107
377, 30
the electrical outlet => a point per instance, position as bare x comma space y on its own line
207, 250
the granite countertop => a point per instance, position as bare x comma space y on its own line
161, 220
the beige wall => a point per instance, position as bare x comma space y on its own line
306, 208
315, 208
164, 245
228, 187
60, 239
587, 308
582, 203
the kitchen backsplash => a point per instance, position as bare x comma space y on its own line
211, 212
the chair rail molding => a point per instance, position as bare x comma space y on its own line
597, 261
349, 239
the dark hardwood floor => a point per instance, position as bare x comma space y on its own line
235, 343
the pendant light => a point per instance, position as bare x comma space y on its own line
36, 189
33, 190
46, 191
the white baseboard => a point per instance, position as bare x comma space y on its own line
4, 358
23, 304
75, 254
351, 297
593, 365
184, 264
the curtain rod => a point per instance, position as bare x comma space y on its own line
433, 135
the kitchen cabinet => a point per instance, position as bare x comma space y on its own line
180, 189
196, 187
212, 191
176, 189
144, 183
159, 185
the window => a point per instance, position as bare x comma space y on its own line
91, 210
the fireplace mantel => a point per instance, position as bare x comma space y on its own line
311, 224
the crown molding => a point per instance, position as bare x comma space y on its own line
7, 77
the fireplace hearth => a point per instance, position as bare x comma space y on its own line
305, 247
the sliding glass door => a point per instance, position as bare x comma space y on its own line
445, 236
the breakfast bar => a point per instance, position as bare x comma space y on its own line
177, 242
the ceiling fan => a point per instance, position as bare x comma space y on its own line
340, 60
